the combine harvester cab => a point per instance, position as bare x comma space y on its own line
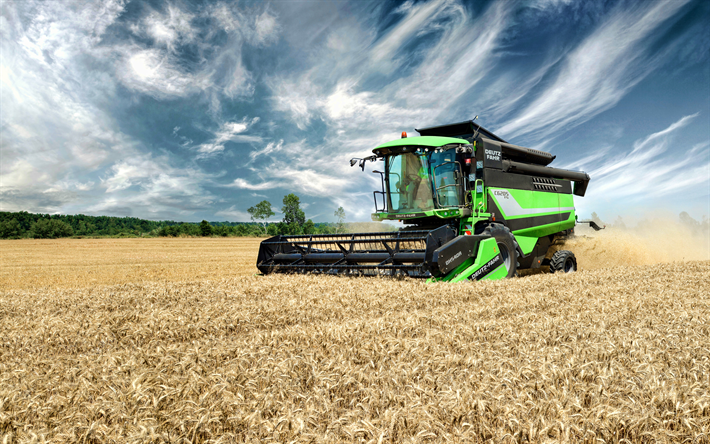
474, 207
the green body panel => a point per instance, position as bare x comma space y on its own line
525, 203
430, 141
537, 232
526, 243
519, 204
498, 273
487, 250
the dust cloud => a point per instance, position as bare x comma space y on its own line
650, 242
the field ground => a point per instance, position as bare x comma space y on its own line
175, 340
73, 263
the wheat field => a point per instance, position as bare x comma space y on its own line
176, 340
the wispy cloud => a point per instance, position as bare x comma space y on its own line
228, 132
271, 147
172, 28
53, 129
151, 185
649, 171
415, 19
244, 184
598, 73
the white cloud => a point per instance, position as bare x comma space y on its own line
154, 72
416, 17
160, 188
296, 98
271, 147
308, 181
266, 28
242, 183
170, 28
159, 71
448, 68
129, 172
547, 4
229, 132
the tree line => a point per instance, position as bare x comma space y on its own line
17, 225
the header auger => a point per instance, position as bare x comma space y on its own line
474, 207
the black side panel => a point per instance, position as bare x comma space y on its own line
271, 246
580, 178
492, 155
502, 179
455, 252
580, 188
436, 238
520, 153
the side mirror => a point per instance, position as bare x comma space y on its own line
361, 162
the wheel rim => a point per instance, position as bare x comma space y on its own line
569, 265
505, 255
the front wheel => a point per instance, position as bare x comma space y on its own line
563, 261
507, 245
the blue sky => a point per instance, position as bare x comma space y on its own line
198, 110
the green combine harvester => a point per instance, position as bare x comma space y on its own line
474, 207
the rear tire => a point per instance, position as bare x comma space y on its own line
507, 245
563, 261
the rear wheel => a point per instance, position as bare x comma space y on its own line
506, 244
563, 261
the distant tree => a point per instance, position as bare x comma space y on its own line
326, 229
261, 212
309, 227
222, 230
293, 214
272, 229
340, 215
10, 229
205, 228
50, 229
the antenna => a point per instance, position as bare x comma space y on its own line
479, 127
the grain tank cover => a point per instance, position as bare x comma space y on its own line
518, 153
462, 130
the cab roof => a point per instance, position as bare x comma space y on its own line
429, 141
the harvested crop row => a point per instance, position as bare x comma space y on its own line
606, 354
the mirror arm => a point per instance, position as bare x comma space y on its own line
362, 161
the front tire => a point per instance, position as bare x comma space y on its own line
563, 261
507, 245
